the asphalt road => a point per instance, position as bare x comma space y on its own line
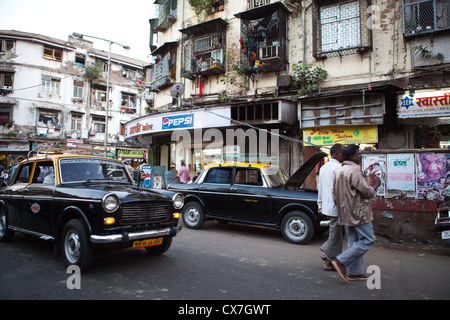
220, 262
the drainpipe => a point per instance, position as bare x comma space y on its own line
304, 29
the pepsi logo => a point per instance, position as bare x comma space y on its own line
176, 122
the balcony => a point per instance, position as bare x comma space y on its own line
204, 45
425, 16
166, 11
263, 37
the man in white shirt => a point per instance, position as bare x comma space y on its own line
333, 246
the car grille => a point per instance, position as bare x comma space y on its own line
144, 213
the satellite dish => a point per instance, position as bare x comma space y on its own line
177, 90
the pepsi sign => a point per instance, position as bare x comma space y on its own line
178, 122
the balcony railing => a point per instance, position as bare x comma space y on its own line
257, 3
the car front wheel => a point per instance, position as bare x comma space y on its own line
193, 215
5, 233
297, 227
76, 247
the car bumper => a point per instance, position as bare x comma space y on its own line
131, 236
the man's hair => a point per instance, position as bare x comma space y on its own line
336, 148
349, 151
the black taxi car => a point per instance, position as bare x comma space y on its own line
82, 203
257, 194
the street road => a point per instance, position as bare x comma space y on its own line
220, 262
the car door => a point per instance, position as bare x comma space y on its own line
15, 193
249, 196
215, 191
38, 198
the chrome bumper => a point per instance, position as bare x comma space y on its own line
131, 236
325, 223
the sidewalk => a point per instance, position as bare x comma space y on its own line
421, 247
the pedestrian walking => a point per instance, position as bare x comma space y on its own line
352, 193
183, 173
333, 246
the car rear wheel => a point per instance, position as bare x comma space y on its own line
193, 215
297, 227
5, 234
157, 250
75, 244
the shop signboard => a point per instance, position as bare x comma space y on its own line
421, 104
186, 120
328, 136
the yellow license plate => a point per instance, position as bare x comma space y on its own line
147, 243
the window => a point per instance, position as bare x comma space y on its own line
425, 16
128, 103
248, 176
101, 96
80, 60
5, 114
53, 53
44, 173
24, 173
76, 121
50, 85
257, 112
219, 175
6, 83
128, 73
340, 28
98, 124
48, 119
7, 45
78, 89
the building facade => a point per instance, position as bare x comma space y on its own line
53, 93
300, 76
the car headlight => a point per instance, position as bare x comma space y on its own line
110, 203
178, 201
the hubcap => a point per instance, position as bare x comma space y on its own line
72, 247
193, 215
296, 228
2, 224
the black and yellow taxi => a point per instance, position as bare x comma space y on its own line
85, 202
258, 194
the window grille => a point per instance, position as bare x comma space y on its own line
340, 28
425, 16
257, 3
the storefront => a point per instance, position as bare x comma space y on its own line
11, 151
406, 145
201, 136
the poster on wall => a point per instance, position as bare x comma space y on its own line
433, 175
400, 169
374, 165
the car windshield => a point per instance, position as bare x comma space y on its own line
92, 169
276, 175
